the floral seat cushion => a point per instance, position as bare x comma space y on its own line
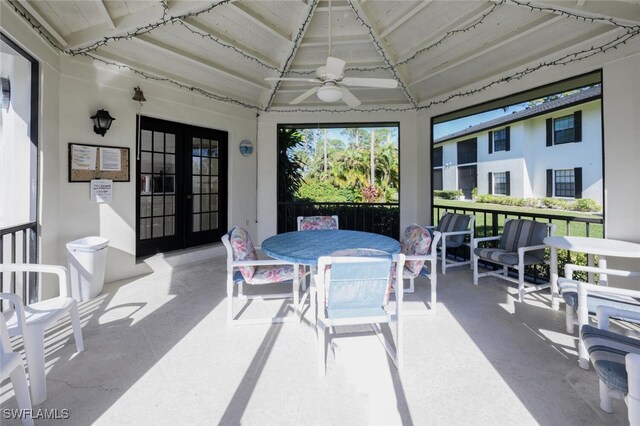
312, 223
243, 249
274, 274
415, 241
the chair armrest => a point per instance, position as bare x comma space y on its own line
60, 271
585, 288
484, 239
418, 257
264, 262
19, 307
522, 250
570, 268
437, 236
603, 313
447, 234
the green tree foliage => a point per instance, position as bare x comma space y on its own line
350, 161
290, 163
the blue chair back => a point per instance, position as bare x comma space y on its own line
358, 283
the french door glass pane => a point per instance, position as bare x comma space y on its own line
146, 140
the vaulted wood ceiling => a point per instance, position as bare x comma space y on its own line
227, 48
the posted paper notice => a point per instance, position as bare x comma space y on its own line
110, 159
101, 190
83, 157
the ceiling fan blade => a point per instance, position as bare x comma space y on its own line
335, 66
306, 80
349, 98
304, 96
383, 83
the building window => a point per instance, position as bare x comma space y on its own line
500, 183
437, 179
565, 183
437, 157
468, 151
565, 129
500, 140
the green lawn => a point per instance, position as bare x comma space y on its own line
484, 222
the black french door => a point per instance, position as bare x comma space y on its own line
181, 191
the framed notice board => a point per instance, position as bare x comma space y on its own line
88, 162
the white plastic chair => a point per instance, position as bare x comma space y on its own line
11, 366
353, 291
521, 244
616, 359
31, 321
243, 266
419, 247
314, 223
454, 228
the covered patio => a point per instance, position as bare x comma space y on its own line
159, 352
158, 349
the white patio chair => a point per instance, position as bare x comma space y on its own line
31, 321
314, 223
11, 366
616, 360
243, 266
586, 298
521, 244
596, 295
352, 291
419, 247
454, 228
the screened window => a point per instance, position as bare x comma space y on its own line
565, 183
500, 140
564, 129
437, 157
500, 183
468, 151
437, 180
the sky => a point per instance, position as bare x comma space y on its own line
443, 129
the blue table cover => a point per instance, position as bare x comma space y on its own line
305, 247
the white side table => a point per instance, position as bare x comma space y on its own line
601, 247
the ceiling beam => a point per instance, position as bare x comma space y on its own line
533, 59
295, 44
261, 21
383, 50
105, 13
514, 35
461, 22
312, 66
409, 13
334, 9
558, 9
335, 41
163, 75
128, 23
198, 61
197, 25
55, 34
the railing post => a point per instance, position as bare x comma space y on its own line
494, 223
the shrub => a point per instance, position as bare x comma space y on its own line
449, 194
506, 201
319, 192
555, 203
586, 205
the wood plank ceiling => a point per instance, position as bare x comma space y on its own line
226, 49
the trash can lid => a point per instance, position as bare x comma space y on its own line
88, 244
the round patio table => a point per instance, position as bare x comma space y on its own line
306, 247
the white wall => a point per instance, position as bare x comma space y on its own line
621, 88
86, 87
267, 166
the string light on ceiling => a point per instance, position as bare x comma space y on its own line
630, 32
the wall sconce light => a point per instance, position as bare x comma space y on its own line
101, 122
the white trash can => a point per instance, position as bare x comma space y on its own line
87, 261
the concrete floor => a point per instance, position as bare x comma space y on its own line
158, 351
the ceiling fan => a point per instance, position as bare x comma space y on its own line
331, 81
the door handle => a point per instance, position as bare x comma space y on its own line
189, 196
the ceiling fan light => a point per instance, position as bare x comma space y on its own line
329, 93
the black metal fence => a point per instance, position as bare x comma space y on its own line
18, 244
489, 222
380, 218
